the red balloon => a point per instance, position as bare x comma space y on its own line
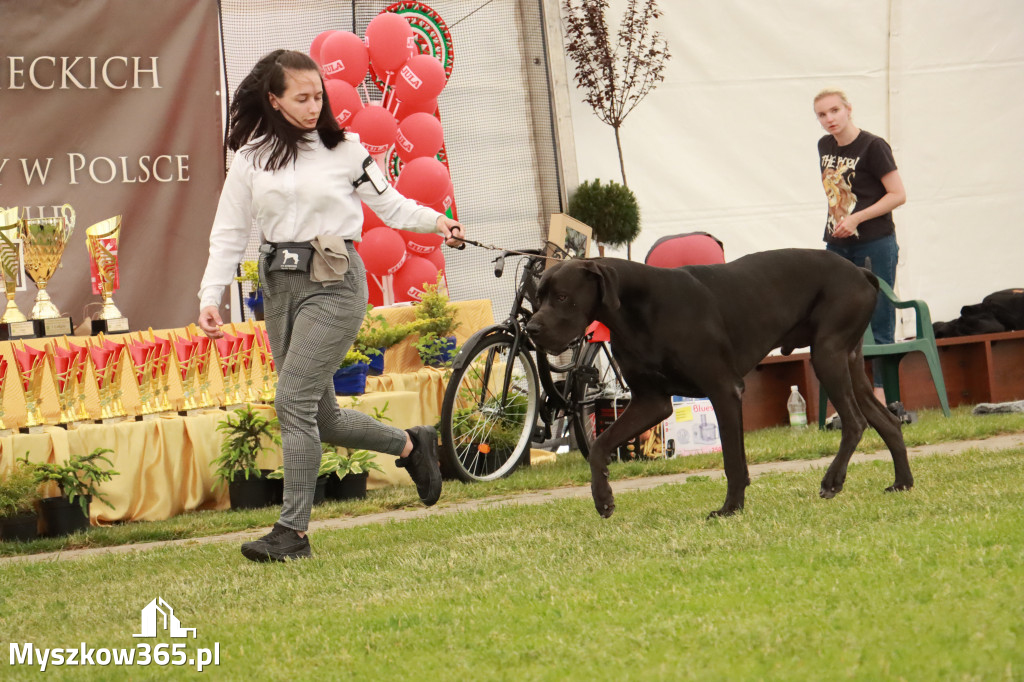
418, 135
410, 280
390, 41
343, 56
421, 243
370, 219
382, 251
344, 99
437, 258
421, 78
404, 110
424, 180
314, 47
446, 201
376, 127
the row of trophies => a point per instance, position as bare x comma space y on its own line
34, 246
242, 361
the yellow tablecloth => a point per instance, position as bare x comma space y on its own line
165, 462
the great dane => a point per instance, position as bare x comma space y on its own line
698, 330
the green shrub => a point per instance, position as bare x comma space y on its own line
19, 491
610, 210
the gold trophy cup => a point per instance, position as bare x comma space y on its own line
101, 239
13, 324
45, 239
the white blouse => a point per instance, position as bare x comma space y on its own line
310, 197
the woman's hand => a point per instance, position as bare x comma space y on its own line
847, 227
210, 322
451, 230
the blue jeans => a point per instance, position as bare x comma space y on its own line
884, 254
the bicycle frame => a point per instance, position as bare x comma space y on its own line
554, 399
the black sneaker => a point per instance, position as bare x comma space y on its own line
279, 544
422, 463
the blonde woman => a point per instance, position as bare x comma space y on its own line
863, 186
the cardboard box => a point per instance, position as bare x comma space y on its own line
692, 428
648, 445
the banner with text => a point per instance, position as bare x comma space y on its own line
114, 107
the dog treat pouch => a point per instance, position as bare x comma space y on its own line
291, 257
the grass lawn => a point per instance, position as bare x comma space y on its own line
924, 585
767, 445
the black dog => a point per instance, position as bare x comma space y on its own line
698, 330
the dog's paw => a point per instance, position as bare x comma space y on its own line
899, 487
723, 512
605, 510
828, 492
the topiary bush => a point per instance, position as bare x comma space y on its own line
610, 210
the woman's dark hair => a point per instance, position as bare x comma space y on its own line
252, 117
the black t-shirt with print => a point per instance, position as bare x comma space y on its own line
852, 177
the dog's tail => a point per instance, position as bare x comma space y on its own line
870, 276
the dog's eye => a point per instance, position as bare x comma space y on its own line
561, 298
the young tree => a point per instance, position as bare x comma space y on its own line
615, 78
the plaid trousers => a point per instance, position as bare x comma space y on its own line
311, 327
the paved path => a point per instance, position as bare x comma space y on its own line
1003, 442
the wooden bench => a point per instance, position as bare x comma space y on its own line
986, 368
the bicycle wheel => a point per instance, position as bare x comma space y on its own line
489, 411
597, 379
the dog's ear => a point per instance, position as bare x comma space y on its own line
607, 283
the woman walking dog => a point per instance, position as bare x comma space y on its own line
300, 179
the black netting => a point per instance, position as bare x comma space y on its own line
496, 113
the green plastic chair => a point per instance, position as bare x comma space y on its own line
890, 355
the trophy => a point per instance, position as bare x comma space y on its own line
143, 358
64, 367
185, 351
13, 324
201, 368
101, 239
229, 361
3, 384
162, 367
81, 355
45, 239
106, 366
268, 390
30, 363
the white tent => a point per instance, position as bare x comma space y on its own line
726, 144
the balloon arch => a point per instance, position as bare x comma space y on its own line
407, 54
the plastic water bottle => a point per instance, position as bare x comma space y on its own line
797, 407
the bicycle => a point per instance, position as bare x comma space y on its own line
503, 394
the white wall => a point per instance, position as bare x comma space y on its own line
726, 143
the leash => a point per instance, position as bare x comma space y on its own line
560, 253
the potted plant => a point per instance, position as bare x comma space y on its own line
376, 335
254, 299
350, 378
611, 211
18, 495
77, 480
328, 465
246, 434
350, 471
436, 343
